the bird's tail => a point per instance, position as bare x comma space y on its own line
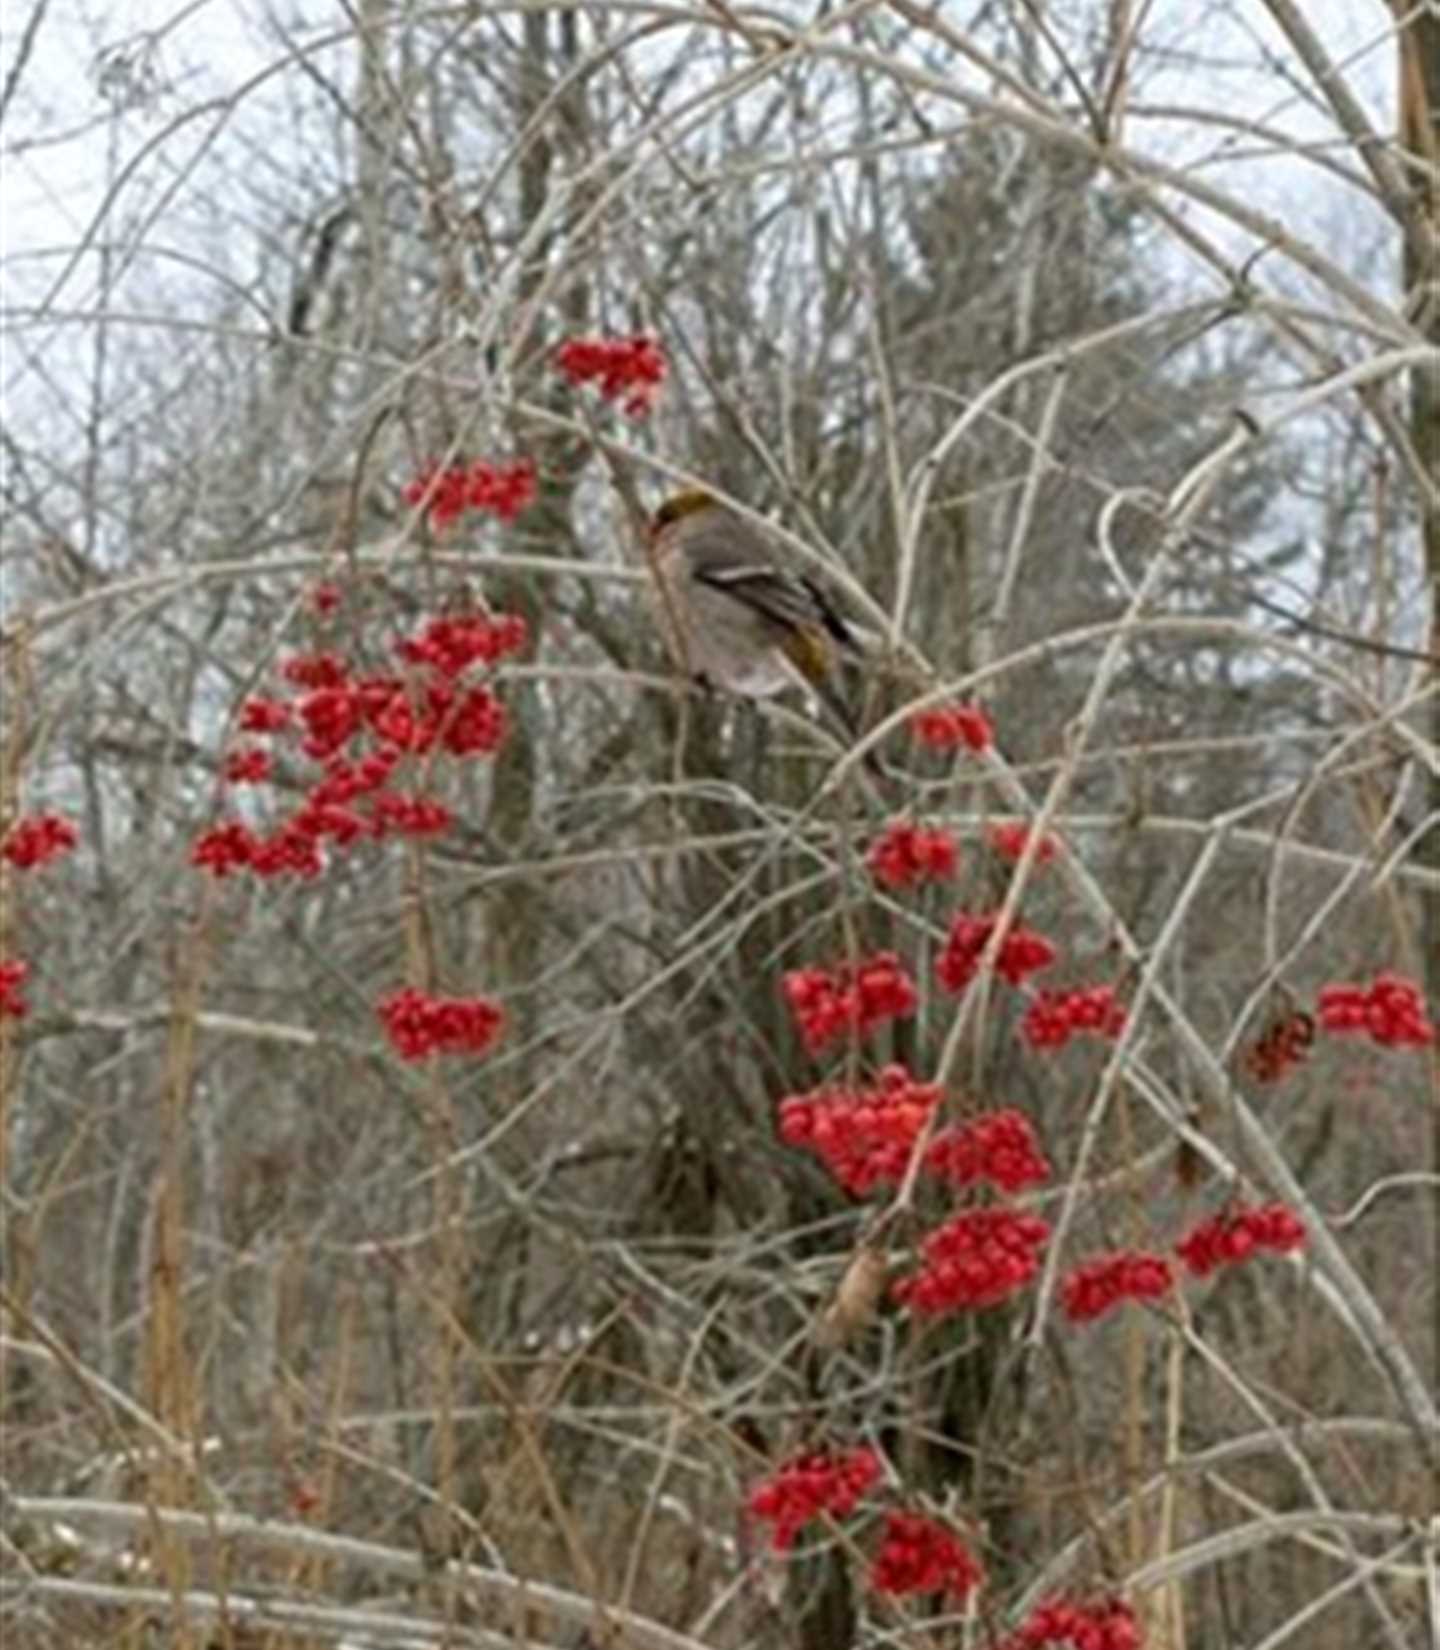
812, 661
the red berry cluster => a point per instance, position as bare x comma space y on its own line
450, 645
1011, 840
853, 998
409, 815
1391, 1010
338, 708
632, 368
999, 1147
863, 1136
12, 977
1236, 1233
920, 1555
915, 1555
1108, 1624
247, 766
419, 1024
810, 1486
446, 492
1091, 1289
468, 723
1021, 952
361, 726
296, 846
323, 599
345, 780
233, 846
944, 727
905, 854
261, 715
1283, 1044
1054, 1017
975, 1259
38, 839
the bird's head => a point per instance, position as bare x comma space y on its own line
679, 505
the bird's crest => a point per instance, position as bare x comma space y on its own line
680, 505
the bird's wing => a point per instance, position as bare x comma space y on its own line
725, 556
831, 618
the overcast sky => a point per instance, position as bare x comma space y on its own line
152, 59
111, 90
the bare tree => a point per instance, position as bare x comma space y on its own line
418, 1229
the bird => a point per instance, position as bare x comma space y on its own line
735, 617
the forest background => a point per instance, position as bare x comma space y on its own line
404, 1243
